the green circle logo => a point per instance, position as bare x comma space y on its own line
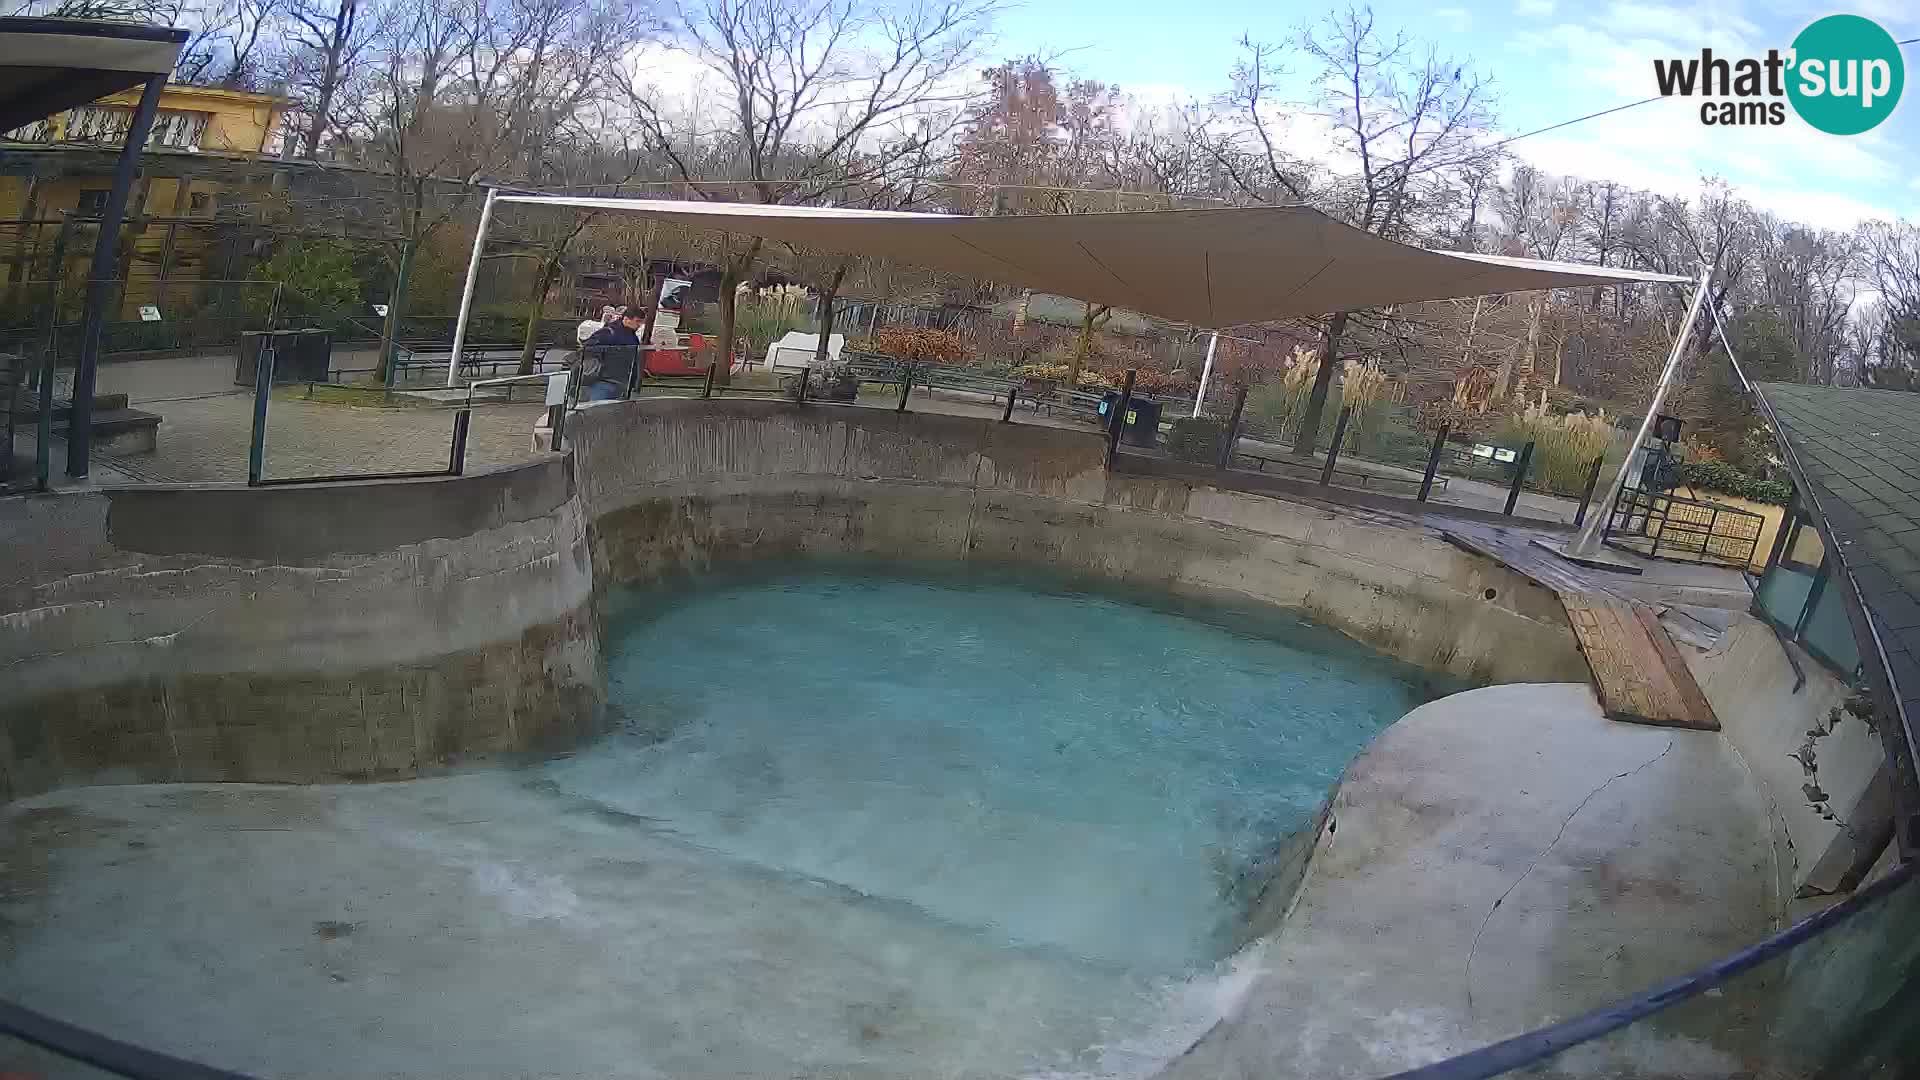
1847, 74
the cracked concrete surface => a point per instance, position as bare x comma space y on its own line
1571, 860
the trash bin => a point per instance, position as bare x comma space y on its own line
308, 359
1141, 425
1142, 422
298, 355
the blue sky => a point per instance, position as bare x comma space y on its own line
1552, 60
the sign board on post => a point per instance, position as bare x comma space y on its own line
557, 388
149, 313
380, 310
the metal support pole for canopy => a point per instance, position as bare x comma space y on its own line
1587, 543
100, 278
1206, 373
466, 294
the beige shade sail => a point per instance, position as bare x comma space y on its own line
1210, 268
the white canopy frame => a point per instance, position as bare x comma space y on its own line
1210, 268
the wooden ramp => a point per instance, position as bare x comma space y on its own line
1637, 669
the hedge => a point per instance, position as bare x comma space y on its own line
1196, 439
1722, 477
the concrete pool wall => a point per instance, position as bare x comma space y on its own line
371, 630
679, 485
293, 634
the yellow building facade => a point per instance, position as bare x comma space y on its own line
203, 142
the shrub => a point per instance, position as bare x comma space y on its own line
1282, 403
1564, 447
1722, 477
924, 344
762, 318
1089, 378
1196, 438
1148, 380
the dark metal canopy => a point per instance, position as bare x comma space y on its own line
48, 66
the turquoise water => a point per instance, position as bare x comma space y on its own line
1053, 769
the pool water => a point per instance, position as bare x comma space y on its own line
1039, 766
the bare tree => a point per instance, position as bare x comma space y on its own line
1890, 330
427, 152
231, 43
328, 39
1809, 278
1405, 119
821, 97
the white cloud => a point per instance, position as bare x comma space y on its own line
1456, 18
1535, 9
1793, 169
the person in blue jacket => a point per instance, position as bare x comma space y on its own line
608, 356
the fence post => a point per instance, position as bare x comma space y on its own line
800, 392
1333, 450
707, 390
1232, 439
101, 276
43, 430
1433, 462
1006, 416
1119, 418
1586, 493
639, 372
262, 389
1519, 477
43, 434
906, 387
457, 456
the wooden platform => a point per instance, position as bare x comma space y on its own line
1638, 671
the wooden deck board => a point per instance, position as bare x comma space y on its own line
1637, 669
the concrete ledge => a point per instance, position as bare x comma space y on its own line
543, 692
297, 525
299, 634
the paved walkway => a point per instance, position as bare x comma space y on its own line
206, 424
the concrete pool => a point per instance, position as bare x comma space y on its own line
851, 821
1474, 875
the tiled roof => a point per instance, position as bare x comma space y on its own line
1860, 450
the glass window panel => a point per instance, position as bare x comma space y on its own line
1828, 634
1783, 594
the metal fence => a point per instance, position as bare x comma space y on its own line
1663, 525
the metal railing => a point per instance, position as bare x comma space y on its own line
1660, 525
257, 442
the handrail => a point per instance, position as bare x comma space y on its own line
507, 380
1542, 1043
120, 1058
